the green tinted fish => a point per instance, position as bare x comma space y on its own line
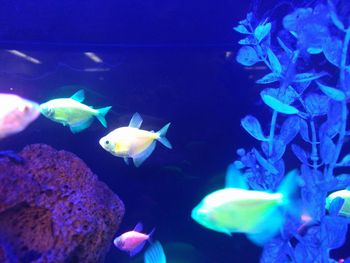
236, 210
344, 194
73, 113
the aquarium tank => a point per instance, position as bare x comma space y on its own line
174, 131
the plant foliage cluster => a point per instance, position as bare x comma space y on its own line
307, 90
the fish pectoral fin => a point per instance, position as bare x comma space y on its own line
81, 125
126, 160
137, 249
140, 158
135, 121
78, 96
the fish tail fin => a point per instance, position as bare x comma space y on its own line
150, 234
161, 136
291, 197
290, 202
101, 113
272, 224
155, 253
289, 189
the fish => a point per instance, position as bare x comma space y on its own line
155, 253
181, 252
16, 114
345, 207
73, 113
132, 142
237, 209
12, 155
132, 241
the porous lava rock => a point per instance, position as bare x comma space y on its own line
54, 209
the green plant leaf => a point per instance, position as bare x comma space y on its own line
277, 105
331, 92
269, 78
247, 56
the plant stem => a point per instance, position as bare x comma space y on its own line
314, 155
272, 131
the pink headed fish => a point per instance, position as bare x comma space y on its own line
132, 241
132, 142
73, 113
16, 114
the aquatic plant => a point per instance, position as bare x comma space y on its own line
308, 90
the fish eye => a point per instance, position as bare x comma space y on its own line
107, 142
24, 109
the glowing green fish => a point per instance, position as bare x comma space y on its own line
73, 113
235, 210
344, 194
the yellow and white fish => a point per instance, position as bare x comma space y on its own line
132, 142
16, 114
344, 194
237, 210
73, 113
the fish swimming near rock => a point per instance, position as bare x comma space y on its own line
16, 114
258, 214
73, 113
132, 142
132, 241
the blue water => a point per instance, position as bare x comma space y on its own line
170, 62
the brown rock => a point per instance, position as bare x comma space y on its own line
54, 209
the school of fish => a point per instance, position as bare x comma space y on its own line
233, 209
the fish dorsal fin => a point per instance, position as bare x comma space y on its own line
135, 121
234, 178
138, 227
79, 96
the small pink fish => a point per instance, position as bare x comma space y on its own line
132, 241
